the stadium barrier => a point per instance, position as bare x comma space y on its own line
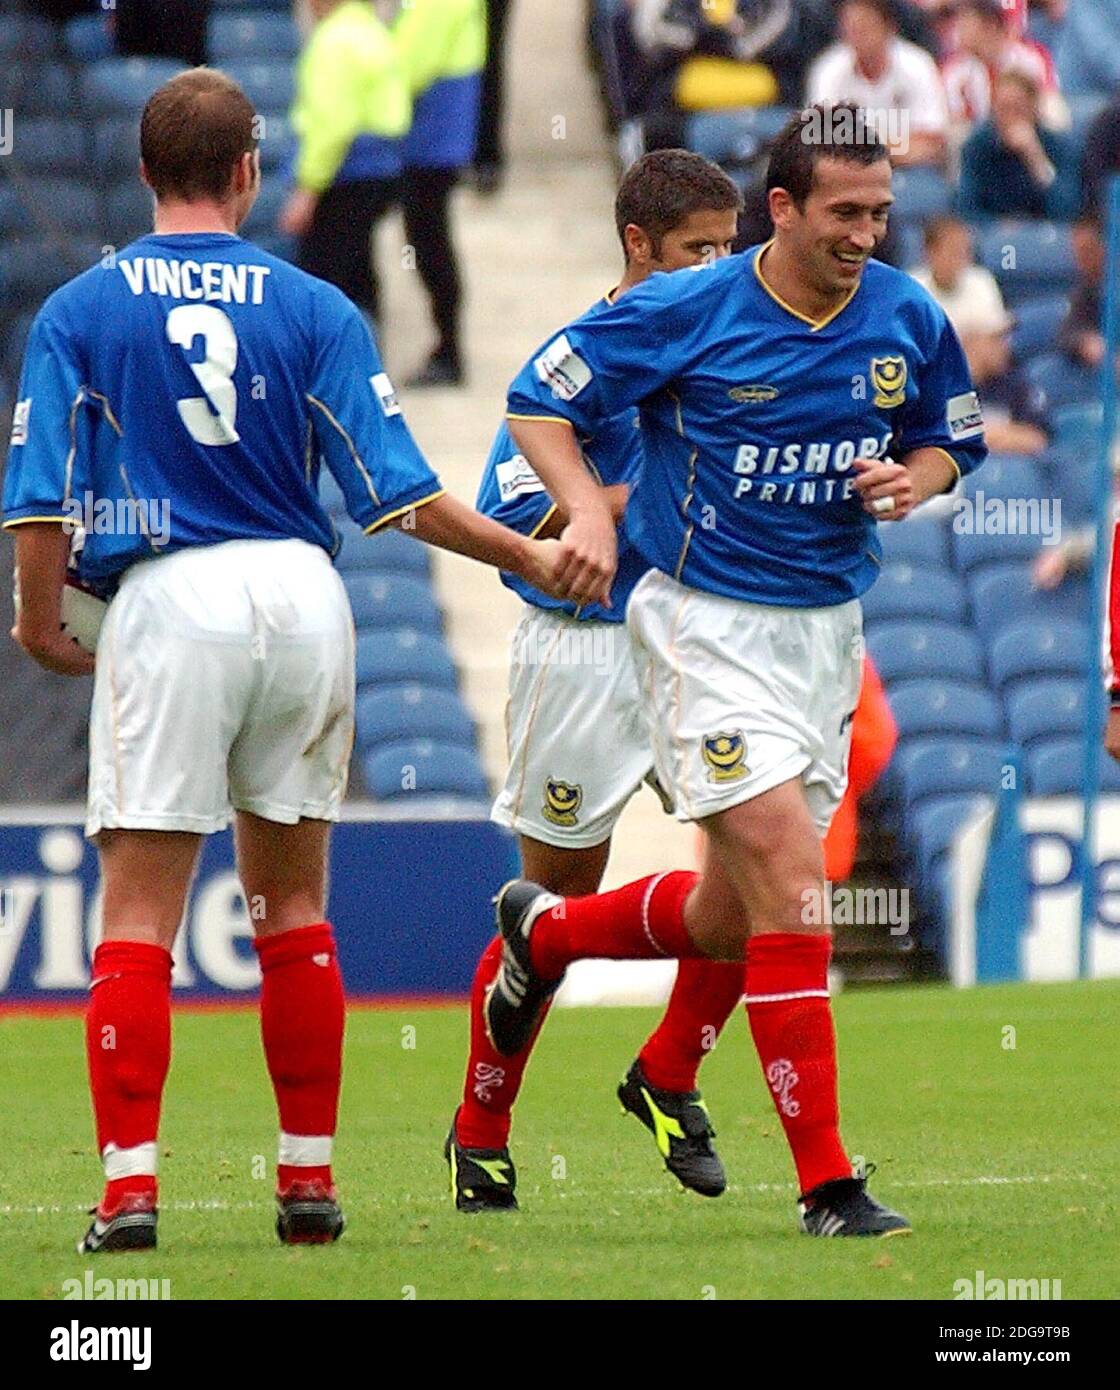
409, 899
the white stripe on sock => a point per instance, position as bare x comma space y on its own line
778, 998
646, 896
305, 1150
130, 1163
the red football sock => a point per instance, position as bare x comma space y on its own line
128, 1048
302, 1018
705, 993
492, 1081
791, 1022
643, 921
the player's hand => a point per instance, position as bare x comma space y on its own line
298, 212
545, 560
55, 652
590, 545
886, 488
1112, 734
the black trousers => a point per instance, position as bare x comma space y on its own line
492, 110
426, 203
336, 247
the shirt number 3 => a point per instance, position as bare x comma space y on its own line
209, 418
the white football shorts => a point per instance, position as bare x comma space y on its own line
224, 680
576, 732
745, 696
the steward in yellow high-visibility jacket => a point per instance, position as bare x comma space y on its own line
351, 112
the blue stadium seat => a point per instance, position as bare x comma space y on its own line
1005, 594
265, 36
919, 194
1029, 648
277, 142
401, 712
392, 600
123, 85
66, 203
387, 549
404, 656
15, 220
265, 212
17, 331
904, 590
1028, 257
911, 246
974, 549
49, 146
1054, 381
1036, 325
269, 86
734, 136
333, 502
928, 767
1073, 475
27, 41
128, 211
1006, 475
88, 38
930, 706
116, 145
1056, 767
48, 89
908, 648
1046, 708
921, 541
424, 768
1077, 426
933, 826
30, 270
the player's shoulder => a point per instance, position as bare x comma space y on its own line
896, 291
694, 286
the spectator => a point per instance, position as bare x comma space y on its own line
350, 112
883, 73
1011, 166
489, 157
1089, 48
1080, 335
442, 46
706, 54
1101, 157
967, 292
987, 46
162, 28
974, 305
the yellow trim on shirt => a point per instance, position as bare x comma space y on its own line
559, 419
391, 516
539, 527
23, 520
949, 456
797, 314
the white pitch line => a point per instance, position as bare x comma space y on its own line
984, 1180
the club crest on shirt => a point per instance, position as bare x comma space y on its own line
888, 376
724, 753
753, 394
562, 801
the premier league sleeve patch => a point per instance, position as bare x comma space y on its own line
386, 393
562, 370
963, 416
516, 477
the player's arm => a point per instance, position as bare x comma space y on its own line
940, 436
37, 486
616, 496
599, 366
386, 481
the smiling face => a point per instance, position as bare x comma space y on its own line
842, 220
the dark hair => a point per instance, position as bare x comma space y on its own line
193, 131
885, 9
991, 11
823, 131
938, 227
660, 190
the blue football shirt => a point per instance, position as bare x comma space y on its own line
198, 379
751, 415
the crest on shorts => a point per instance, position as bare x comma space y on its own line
724, 754
888, 376
562, 801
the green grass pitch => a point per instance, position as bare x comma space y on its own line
1004, 1157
